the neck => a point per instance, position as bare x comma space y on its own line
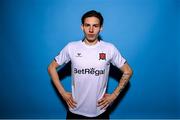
88, 42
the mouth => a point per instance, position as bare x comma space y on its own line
91, 35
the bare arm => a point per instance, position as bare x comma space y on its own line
55, 78
109, 98
127, 73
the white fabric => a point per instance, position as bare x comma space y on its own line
90, 70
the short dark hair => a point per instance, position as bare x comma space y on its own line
93, 13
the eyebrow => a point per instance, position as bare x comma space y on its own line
92, 24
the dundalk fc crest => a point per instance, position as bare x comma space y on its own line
102, 56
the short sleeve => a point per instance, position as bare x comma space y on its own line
63, 56
117, 59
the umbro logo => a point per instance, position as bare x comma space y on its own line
78, 55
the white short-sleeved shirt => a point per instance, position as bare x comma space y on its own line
90, 70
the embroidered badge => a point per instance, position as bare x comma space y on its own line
102, 56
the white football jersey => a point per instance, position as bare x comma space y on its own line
90, 70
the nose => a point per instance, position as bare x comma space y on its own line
91, 30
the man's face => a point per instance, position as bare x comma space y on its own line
91, 28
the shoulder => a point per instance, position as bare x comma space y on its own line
74, 43
107, 44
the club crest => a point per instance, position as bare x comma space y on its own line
102, 56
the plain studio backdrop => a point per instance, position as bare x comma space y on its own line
32, 32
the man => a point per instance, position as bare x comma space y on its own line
90, 61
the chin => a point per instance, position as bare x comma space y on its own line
91, 39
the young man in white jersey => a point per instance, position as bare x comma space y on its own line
90, 62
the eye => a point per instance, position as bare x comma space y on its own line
96, 26
86, 25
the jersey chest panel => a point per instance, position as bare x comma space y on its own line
90, 58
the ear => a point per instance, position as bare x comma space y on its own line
101, 28
82, 27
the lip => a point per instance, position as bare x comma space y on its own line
91, 35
